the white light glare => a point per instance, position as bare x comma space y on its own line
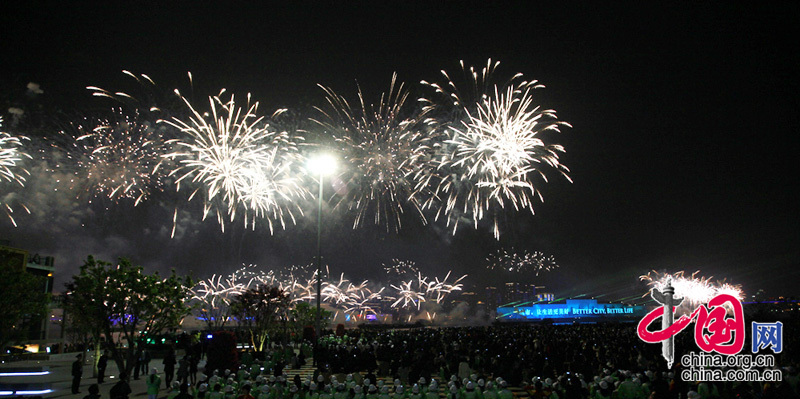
322, 164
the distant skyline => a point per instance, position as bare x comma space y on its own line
682, 148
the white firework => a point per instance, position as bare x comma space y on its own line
12, 170
493, 150
239, 163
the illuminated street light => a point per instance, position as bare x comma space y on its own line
320, 165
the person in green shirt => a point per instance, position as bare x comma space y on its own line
230, 392
358, 392
433, 390
217, 394
263, 392
454, 393
175, 390
372, 392
489, 392
202, 391
153, 384
469, 391
295, 393
504, 392
313, 391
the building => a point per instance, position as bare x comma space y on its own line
571, 311
42, 266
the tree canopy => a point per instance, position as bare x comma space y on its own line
257, 309
22, 302
123, 303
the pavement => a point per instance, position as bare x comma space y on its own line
60, 378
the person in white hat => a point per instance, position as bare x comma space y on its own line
153, 384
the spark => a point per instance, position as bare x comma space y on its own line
341, 294
118, 157
400, 268
411, 293
149, 98
215, 295
239, 162
493, 148
438, 290
360, 300
384, 145
525, 262
695, 290
12, 171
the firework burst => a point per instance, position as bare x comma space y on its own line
695, 290
439, 289
360, 300
525, 262
119, 157
239, 163
493, 147
341, 295
410, 293
214, 297
384, 145
399, 269
11, 170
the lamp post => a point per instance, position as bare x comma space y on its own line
320, 165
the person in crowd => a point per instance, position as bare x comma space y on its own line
217, 393
77, 372
183, 392
146, 358
102, 363
202, 391
94, 392
153, 384
121, 389
169, 366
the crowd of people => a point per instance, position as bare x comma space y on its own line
501, 362
572, 361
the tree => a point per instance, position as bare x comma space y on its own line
124, 304
304, 314
22, 303
257, 309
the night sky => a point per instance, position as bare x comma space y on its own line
684, 117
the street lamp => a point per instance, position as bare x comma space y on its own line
320, 165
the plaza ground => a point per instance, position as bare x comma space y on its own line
60, 378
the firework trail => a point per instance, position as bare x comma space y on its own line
383, 145
525, 262
238, 163
149, 100
11, 169
493, 148
695, 290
